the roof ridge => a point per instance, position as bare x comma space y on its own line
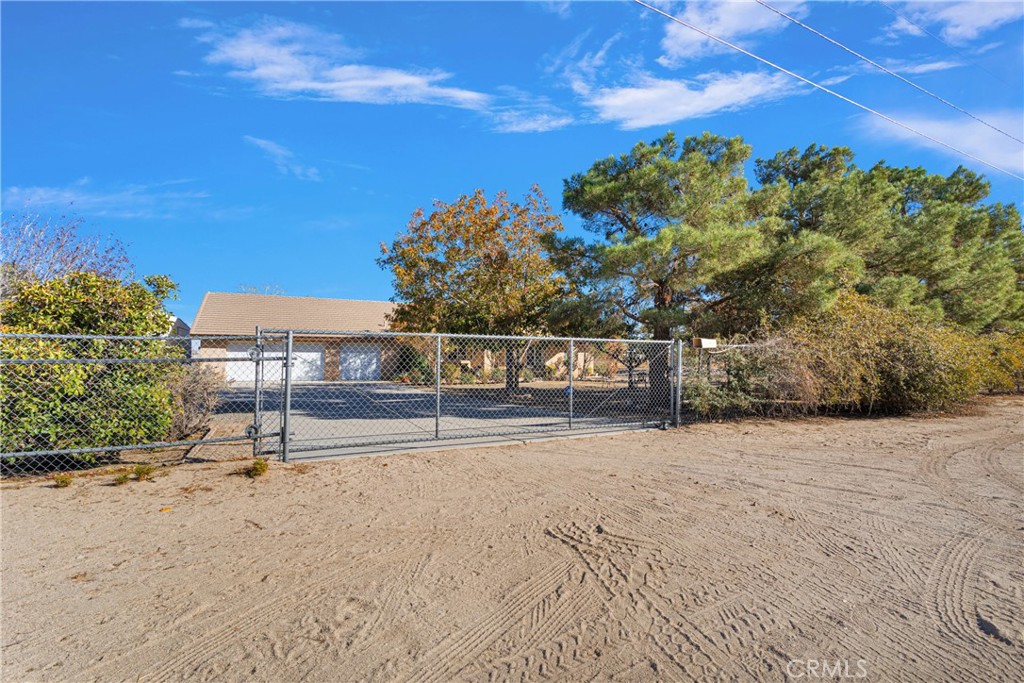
295, 296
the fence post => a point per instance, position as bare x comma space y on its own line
572, 370
257, 395
670, 374
679, 382
437, 389
286, 418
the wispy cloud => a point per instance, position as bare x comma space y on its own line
912, 68
285, 59
906, 67
957, 22
529, 121
191, 22
284, 159
655, 101
970, 136
738, 22
580, 71
139, 201
517, 111
562, 8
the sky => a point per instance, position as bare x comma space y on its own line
278, 144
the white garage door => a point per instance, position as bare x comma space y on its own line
360, 362
308, 367
309, 362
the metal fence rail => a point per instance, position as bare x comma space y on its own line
71, 401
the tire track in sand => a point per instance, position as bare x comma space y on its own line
951, 600
454, 653
246, 618
633, 583
934, 471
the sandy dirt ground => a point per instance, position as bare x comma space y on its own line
745, 551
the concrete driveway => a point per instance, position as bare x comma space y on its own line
346, 414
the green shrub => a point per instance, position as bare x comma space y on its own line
122, 479
62, 481
467, 377
715, 402
1004, 361
144, 472
873, 359
58, 406
412, 363
450, 372
498, 375
604, 368
258, 468
856, 357
526, 375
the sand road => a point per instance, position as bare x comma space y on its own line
751, 551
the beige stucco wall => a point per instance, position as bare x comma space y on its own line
214, 348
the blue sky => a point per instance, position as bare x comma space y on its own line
262, 143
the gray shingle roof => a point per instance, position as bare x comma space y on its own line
226, 313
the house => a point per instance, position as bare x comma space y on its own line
178, 327
317, 357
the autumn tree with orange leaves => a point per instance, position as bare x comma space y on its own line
476, 267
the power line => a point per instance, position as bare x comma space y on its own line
827, 90
888, 71
940, 39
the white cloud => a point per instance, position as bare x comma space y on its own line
190, 22
957, 22
284, 159
959, 131
921, 67
580, 72
286, 59
654, 101
562, 8
139, 201
518, 111
526, 121
735, 21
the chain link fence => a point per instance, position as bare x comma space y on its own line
357, 390
70, 402
75, 402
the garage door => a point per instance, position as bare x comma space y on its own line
360, 362
309, 362
308, 366
240, 368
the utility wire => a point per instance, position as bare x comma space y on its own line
940, 39
888, 71
827, 90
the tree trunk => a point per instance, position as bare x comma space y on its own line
661, 382
658, 359
511, 369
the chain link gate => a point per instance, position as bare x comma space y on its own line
79, 401
270, 358
392, 389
